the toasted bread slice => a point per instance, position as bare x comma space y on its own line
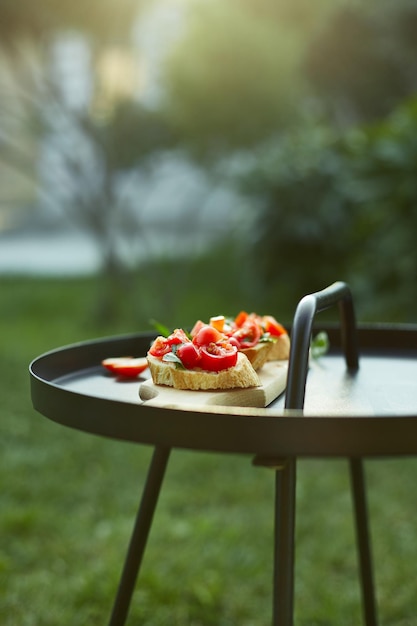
166, 373
280, 350
259, 354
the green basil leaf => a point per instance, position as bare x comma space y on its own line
171, 357
320, 345
266, 338
160, 328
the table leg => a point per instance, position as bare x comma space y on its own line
357, 478
140, 535
284, 548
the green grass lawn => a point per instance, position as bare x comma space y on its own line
68, 500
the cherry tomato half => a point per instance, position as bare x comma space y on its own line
207, 334
216, 357
189, 355
126, 366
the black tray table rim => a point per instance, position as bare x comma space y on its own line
264, 431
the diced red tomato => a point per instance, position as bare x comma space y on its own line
160, 347
241, 318
215, 346
177, 337
197, 326
234, 342
216, 357
218, 322
271, 326
189, 355
248, 334
207, 334
163, 345
128, 367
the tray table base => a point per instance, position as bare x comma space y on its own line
284, 538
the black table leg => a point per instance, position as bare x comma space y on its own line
284, 550
140, 535
357, 478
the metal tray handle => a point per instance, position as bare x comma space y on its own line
338, 293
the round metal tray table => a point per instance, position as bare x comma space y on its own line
360, 401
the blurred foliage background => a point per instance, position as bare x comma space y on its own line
305, 113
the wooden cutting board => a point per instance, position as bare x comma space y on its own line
273, 377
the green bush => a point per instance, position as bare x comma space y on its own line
340, 206
383, 193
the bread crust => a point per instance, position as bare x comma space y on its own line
280, 350
241, 375
258, 355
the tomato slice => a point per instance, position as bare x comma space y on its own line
216, 357
126, 366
